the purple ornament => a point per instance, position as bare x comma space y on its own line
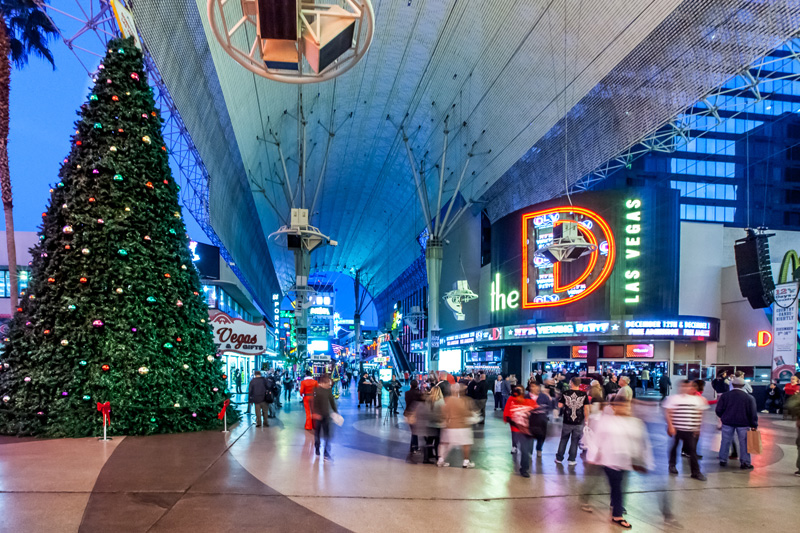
97, 323
133, 330
95, 171
65, 393
40, 413
194, 415
27, 379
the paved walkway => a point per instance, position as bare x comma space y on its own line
268, 479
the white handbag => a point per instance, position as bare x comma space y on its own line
337, 419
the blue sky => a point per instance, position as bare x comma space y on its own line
44, 103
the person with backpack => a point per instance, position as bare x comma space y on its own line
517, 414
257, 395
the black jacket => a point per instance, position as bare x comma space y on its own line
479, 390
257, 390
719, 385
737, 409
323, 403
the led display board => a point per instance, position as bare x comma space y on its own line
631, 270
639, 351
580, 352
205, 258
686, 328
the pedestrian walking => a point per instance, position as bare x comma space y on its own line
620, 445
517, 415
574, 404
738, 412
323, 409
459, 416
307, 387
684, 414
257, 395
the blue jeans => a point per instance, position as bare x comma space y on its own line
573, 432
525, 451
727, 440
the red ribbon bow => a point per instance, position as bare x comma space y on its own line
224, 406
105, 408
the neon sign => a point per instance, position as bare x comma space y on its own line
633, 244
764, 339
542, 284
500, 300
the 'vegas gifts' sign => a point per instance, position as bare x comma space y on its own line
237, 335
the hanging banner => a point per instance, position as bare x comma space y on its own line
125, 22
237, 335
784, 331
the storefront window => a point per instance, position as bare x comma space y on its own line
217, 298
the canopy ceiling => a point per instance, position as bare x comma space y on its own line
505, 72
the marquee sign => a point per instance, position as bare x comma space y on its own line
548, 285
237, 335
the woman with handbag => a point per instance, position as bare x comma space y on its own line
620, 445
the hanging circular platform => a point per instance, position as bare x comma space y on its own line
293, 41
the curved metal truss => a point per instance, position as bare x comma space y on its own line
236, 30
86, 26
739, 95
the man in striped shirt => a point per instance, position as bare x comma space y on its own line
684, 413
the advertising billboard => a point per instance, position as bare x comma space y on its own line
627, 265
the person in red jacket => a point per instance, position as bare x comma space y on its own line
516, 414
793, 387
307, 387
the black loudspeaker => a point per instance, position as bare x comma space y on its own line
754, 269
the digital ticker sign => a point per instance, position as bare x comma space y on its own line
631, 270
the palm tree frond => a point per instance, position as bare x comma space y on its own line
29, 31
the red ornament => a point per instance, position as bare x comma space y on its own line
166, 182
167, 275
78, 143
179, 339
19, 309
153, 113
105, 368
149, 184
121, 130
67, 247
83, 280
224, 376
51, 280
115, 98
164, 148
44, 214
47, 332
196, 293
91, 200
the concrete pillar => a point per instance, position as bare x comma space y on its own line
433, 263
302, 267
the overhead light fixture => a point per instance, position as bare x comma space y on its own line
568, 243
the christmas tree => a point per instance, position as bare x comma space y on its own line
113, 311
